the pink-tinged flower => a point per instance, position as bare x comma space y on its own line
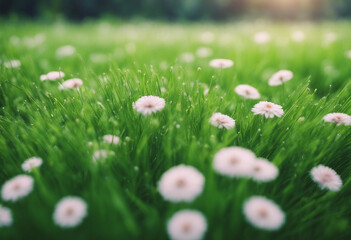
268, 109
12, 64
101, 155
71, 83
222, 121
280, 77
263, 170
149, 104
70, 212
234, 162
263, 213
111, 139
247, 91
181, 184
326, 177
52, 76
221, 63
338, 118
187, 225
30, 163
5, 217
17, 188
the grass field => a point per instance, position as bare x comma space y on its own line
119, 63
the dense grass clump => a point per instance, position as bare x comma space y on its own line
119, 63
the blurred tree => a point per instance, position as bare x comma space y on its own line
177, 9
342, 8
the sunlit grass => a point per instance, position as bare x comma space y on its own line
119, 64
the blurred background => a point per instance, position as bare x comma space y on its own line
175, 10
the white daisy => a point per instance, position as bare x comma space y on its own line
71, 83
147, 105
102, 154
203, 52
263, 213
207, 37
33, 162
298, 36
98, 57
65, 51
70, 212
52, 76
181, 184
348, 54
17, 188
262, 37
5, 217
268, 109
263, 170
187, 57
221, 63
247, 91
222, 121
234, 162
330, 37
111, 139
12, 64
187, 225
280, 77
339, 118
326, 177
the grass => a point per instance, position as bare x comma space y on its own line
120, 63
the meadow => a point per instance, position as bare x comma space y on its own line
119, 63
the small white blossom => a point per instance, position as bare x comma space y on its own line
181, 184
71, 83
330, 37
33, 162
147, 105
65, 51
207, 37
111, 139
263, 170
280, 77
348, 54
102, 154
326, 177
247, 91
222, 121
234, 162
12, 64
263, 213
70, 212
268, 109
187, 57
187, 225
298, 36
262, 37
203, 52
338, 118
5, 217
52, 76
221, 63
17, 188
